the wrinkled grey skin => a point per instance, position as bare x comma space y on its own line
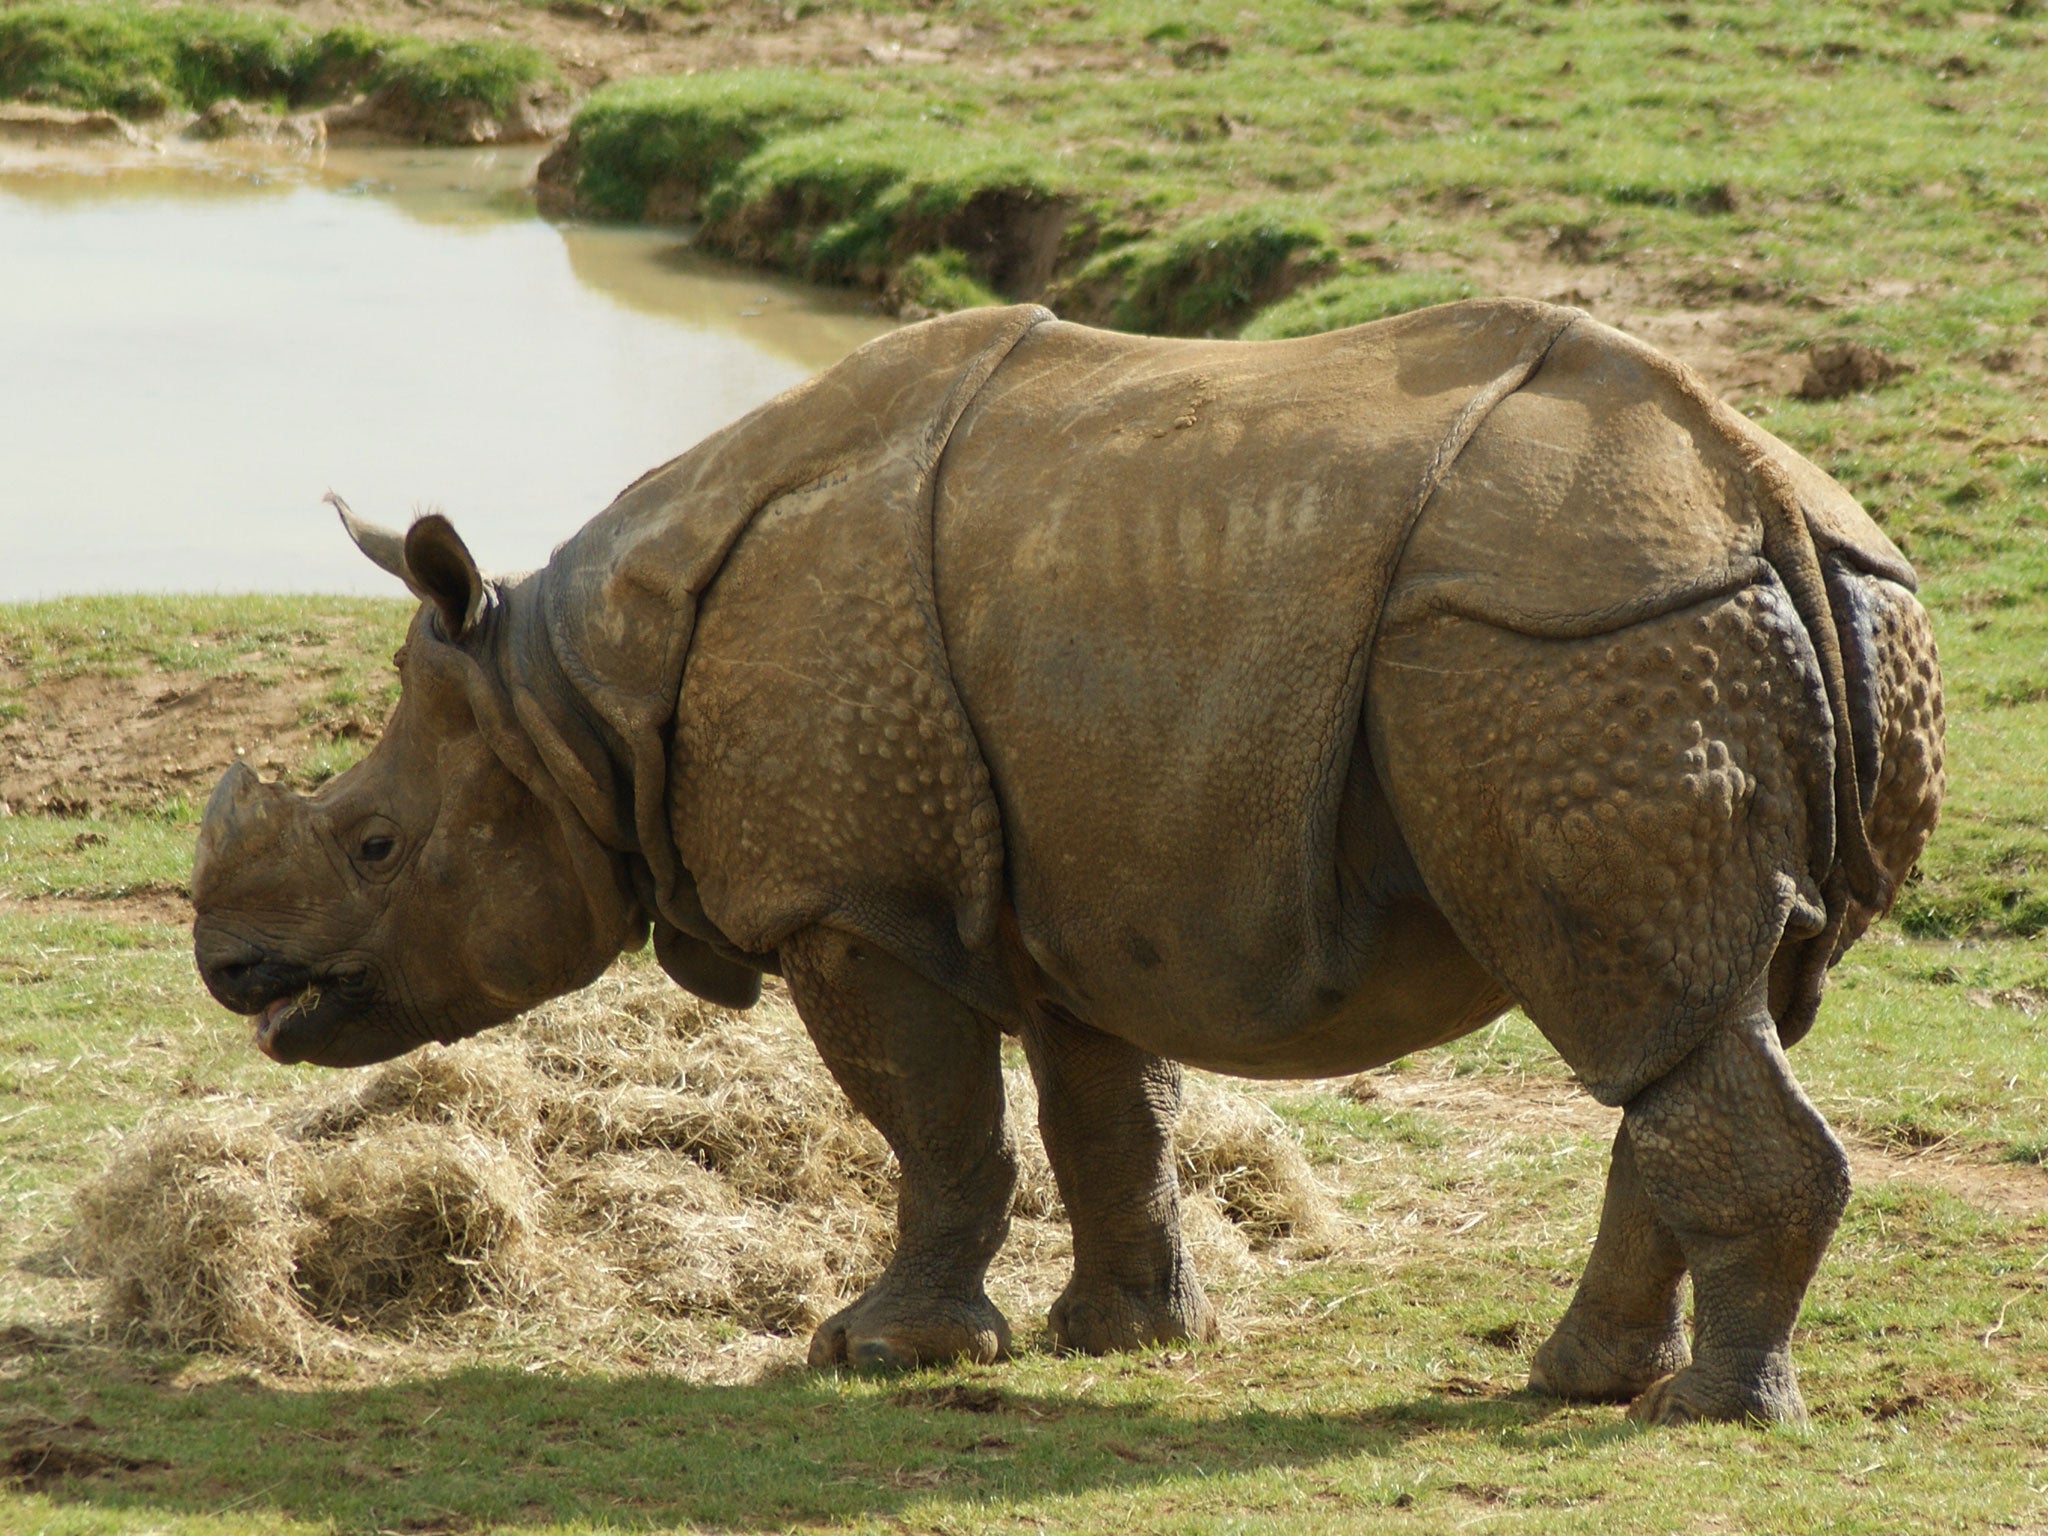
1280, 709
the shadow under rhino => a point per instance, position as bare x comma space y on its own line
492, 1448
1278, 708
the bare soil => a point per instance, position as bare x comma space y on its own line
597, 41
81, 745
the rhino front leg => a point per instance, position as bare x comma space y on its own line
1623, 1329
928, 1072
1749, 1179
1106, 1111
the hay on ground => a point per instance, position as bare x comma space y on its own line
626, 1171
1235, 1150
193, 1230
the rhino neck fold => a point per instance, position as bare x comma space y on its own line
613, 621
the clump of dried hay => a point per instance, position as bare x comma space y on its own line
194, 1228
628, 1170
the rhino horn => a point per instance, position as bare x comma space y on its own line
242, 812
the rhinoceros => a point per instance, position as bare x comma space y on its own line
1278, 708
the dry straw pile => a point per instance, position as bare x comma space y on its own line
628, 1171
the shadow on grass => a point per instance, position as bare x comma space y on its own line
494, 1446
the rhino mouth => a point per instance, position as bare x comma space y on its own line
304, 1024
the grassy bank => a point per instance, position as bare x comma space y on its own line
1762, 141
143, 62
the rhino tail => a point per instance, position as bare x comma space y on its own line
1846, 673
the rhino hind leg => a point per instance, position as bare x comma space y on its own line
1106, 1112
927, 1072
1624, 1328
1625, 829
1750, 1181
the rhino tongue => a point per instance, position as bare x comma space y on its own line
275, 1013
265, 1026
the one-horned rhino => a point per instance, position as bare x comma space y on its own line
1280, 708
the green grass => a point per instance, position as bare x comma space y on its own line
143, 62
482, 70
98, 858
682, 137
1378, 1390
1355, 298
261, 637
1208, 273
1779, 133
942, 279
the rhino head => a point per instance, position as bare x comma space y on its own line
432, 890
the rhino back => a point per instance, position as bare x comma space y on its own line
1612, 487
1159, 566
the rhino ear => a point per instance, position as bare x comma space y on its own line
441, 570
385, 548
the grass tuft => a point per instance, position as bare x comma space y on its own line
1208, 274
430, 74
143, 62
655, 147
942, 279
810, 175
1355, 298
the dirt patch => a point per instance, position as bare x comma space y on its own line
1838, 368
952, 1398
75, 746
396, 115
152, 904
38, 1452
595, 41
391, 115
1535, 1103
56, 127
1712, 328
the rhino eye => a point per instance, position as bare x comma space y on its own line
377, 847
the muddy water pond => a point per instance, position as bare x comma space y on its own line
191, 353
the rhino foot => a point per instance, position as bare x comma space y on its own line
1102, 1318
1769, 1394
1610, 1365
889, 1331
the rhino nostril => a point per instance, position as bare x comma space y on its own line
226, 962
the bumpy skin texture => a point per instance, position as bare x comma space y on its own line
1631, 834
1279, 709
1904, 687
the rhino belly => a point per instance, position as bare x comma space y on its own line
1158, 567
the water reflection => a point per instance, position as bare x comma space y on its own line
190, 355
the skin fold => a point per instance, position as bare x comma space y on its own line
1275, 708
